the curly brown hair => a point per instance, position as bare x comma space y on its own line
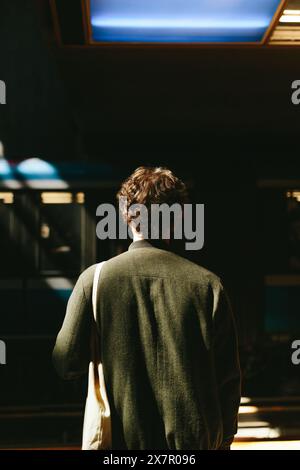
152, 185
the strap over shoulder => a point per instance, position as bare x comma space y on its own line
95, 287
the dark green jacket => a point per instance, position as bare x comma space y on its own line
168, 346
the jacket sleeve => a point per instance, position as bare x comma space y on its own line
72, 348
227, 365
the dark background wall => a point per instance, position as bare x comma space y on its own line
36, 120
197, 105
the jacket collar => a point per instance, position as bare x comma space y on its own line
160, 244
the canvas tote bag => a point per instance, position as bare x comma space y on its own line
97, 419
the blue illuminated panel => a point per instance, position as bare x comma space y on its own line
202, 21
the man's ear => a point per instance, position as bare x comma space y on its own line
123, 208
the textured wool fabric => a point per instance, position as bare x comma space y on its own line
168, 347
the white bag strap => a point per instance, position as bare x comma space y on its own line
95, 288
